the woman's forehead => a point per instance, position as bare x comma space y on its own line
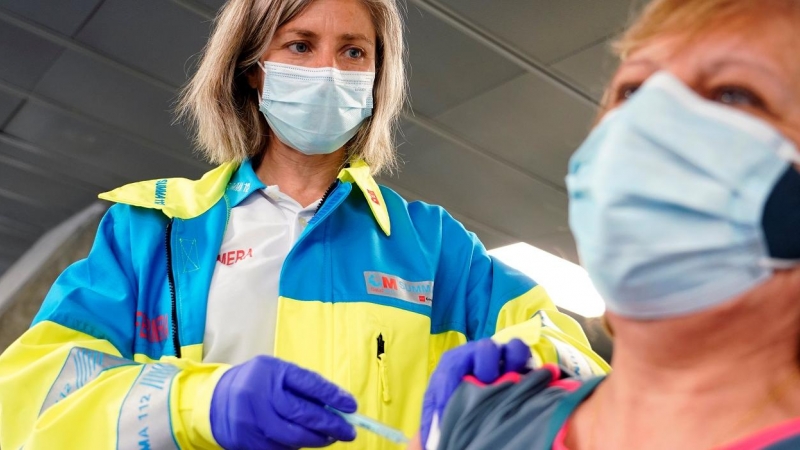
343, 14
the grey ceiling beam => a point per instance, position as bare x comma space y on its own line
26, 231
431, 126
78, 47
503, 48
19, 198
104, 126
74, 45
28, 147
196, 7
49, 175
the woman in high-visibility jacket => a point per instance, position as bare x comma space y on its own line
230, 310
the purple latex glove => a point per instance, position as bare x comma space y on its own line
270, 404
484, 359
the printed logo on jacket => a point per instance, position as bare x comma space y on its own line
419, 292
161, 192
234, 256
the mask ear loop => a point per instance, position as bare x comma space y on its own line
788, 152
263, 66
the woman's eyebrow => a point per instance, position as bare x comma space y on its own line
300, 32
357, 37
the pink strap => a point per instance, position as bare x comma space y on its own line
558, 443
767, 436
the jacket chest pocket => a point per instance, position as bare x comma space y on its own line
378, 353
389, 371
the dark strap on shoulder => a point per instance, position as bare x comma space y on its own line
567, 406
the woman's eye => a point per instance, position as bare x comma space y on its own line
298, 47
737, 97
354, 53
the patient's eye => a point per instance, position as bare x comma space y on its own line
620, 93
626, 91
738, 97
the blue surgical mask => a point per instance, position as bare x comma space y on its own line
315, 110
679, 204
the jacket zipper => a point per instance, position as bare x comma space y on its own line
176, 342
227, 213
326, 195
383, 376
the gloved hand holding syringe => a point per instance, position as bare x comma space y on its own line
268, 404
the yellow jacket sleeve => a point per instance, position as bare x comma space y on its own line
61, 388
553, 336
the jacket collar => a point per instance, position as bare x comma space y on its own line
187, 199
359, 173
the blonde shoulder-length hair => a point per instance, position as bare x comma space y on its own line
222, 108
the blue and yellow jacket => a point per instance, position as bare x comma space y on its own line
371, 295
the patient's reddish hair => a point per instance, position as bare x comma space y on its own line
689, 18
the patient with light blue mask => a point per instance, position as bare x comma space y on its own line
685, 207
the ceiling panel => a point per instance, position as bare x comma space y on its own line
526, 121
24, 58
105, 159
447, 67
58, 164
45, 190
10, 226
479, 188
135, 32
16, 160
214, 4
141, 163
65, 16
548, 30
33, 216
8, 104
114, 97
12, 247
590, 69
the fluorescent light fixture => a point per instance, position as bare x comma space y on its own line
567, 283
